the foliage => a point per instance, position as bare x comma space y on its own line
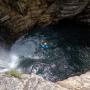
14, 73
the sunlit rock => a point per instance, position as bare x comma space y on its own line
81, 82
27, 82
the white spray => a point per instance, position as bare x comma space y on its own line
8, 60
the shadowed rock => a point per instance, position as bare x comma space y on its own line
21, 15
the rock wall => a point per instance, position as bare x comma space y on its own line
19, 16
27, 82
81, 82
34, 82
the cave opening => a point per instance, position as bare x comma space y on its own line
68, 52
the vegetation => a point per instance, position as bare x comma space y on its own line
14, 73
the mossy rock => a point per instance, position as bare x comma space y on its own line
14, 73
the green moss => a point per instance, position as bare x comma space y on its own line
14, 73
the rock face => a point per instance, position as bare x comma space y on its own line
34, 82
27, 82
21, 15
81, 82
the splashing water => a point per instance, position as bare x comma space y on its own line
8, 60
14, 61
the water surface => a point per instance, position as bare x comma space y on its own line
68, 51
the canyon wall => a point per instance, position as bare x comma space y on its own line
19, 16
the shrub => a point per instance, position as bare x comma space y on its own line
14, 73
